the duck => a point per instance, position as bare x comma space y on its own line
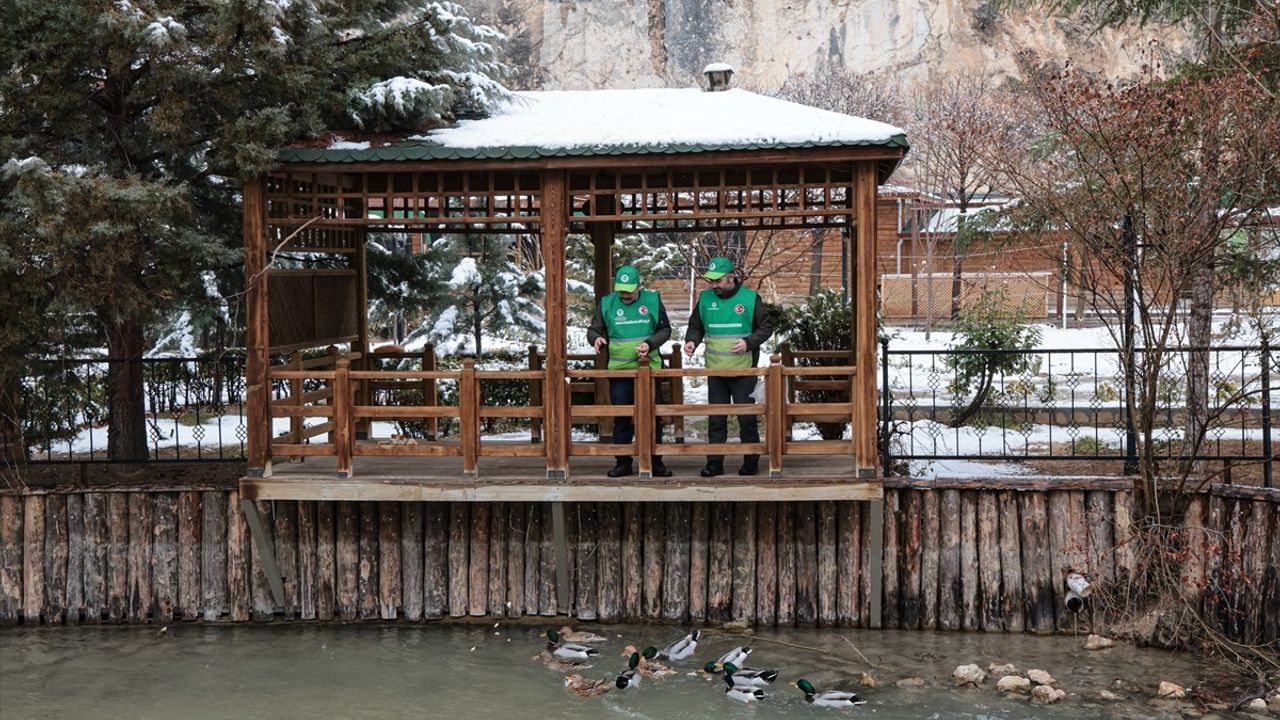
737, 656
583, 687
750, 677
741, 693
683, 648
559, 664
568, 634
649, 665
830, 698
630, 677
568, 651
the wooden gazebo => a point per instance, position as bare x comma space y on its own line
550, 164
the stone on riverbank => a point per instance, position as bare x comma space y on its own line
999, 671
1256, 705
1045, 695
867, 680
1012, 684
911, 683
968, 675
1171, 690
1041, 677
1098, 642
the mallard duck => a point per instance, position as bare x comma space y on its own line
649, 666
737, 656
741, 693
568, 651
559, 664
750, 677
583, 687
630, 677
683, 648
568, 634
830, 698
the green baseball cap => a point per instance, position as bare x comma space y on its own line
626, 279
718, 268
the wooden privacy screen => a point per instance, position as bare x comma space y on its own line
312, 307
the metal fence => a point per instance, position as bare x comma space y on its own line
1071, 405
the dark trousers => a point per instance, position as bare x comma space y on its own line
721, 391
622, 391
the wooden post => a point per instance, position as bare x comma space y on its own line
699, 571
518, 538
411, 559
912, 501
347, 560
189, 515
54, 572
654, 549
553, 221
307, 560
949, 589
609, 562
261, 604
930, 550
285, 516
675, 577
214, 600
11, 546
326, 560
720, 577
498, 529
602, 234
969, 560
257, 337
863, 299
644, 419
1038, 584
367, 579
806, 563
429, 397
890, 615
360, 430
586, 543
553, 564
469, 421
140, 527
828, 568
75, 557
535, 395
1253, 563
632, 567
459, 524
342, 417
33, 521
849, 557
676, 396
532, 557
1011, 603
390, 572
435, 553
989, 605
237, 559
776, 416
786, 564
744, 562
296, 390
95, 557
767, 564
164, 565
478, 566
265, 551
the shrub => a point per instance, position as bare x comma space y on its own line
988, 324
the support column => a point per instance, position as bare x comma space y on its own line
862, 281
553, 223
363, 395
602, 244
257, 340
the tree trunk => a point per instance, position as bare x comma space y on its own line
1199, 329
815, 262
476, 322
956, 270
127, 434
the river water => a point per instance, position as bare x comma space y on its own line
485, 671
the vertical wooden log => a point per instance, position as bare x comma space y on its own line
767, 563
343, 420
969, 617
675, 570
517, 534
389, 561
609, 562
720, 578
498, 529
1253, 562
165, 557
1125, 557
33, 531
828, 570
141, 514
654, 548
190, 512
55, 559
890, 608
862, 285
1061, 539
214, 598
990, 615
326, 560
237, 559
547, 591
553, 219
117, 557
912, 503
585, 602
744, 562
459, 576
1270, 604
435, 559
347, 564
868, 564
258, 391
632, 567
469, 417
1037, 577
1193, 577
285, 515
786, 564
1100, 523
307, 559
478, 563
930, 557
699, 569
263, 604
806, 563
1011, 602
849, 557
411, 559
1233, 570
11, 547
532, 557
949, 591
367, 581
1216, 545
75, 557
96, 548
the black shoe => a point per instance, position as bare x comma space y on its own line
712, 469
661, 470
750, 465
620, 470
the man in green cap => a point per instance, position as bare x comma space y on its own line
735, 323
632, 322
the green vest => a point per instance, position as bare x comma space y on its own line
726, 321
628, 326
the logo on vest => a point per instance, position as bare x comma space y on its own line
715, 305
619, 312
740, 309
644, 310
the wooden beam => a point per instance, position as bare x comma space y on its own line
258, 390
266, 549
553, 223
862, 286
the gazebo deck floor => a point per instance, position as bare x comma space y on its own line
520, 479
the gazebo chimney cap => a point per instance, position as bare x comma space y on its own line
718, 75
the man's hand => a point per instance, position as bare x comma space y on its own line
601, 342
688, 349
739, 347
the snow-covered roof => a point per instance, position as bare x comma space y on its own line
620, 122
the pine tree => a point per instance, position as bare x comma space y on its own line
487, 293
124, 120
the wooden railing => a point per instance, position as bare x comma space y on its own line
345, 403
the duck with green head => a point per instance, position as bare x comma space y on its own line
830, 698
683, 648
630, 677
568, 651
741, 693
747, 677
